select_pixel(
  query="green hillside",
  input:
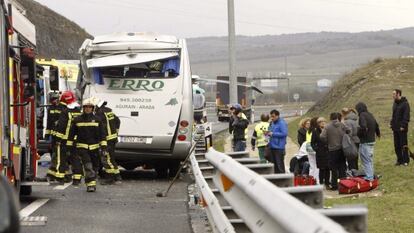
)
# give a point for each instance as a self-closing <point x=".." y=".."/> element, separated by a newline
<point x="373" y="84"/>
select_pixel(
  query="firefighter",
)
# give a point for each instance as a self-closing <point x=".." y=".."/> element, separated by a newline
<point x="53" y="115"/>
<point x="88" y="134"/>
<point x="73" y="159"/>
<point x="62" y="147"/>
<point x="111" y="123"/>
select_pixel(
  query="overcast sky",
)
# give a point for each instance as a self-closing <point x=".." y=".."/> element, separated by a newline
<point x="195" y="18"/>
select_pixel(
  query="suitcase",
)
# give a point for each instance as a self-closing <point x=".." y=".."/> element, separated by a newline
<point x="304" y="180"/>
<point x="356" y="185"/>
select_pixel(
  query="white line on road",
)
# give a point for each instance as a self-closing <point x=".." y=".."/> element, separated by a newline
<point x="62" y="187"/>
<point x="28" y="210"/>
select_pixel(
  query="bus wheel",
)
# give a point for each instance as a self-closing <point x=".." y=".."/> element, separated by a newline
<point x="25" y="190"/>
<point x="173" y="167"/>
<point x="162" y="170"/>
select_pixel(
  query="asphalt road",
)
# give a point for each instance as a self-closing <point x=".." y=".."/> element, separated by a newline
<point x="129" y="207"/>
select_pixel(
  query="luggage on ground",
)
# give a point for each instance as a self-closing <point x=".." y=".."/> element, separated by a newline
<point x="304" y="180"/>
<point x="351" y="185"/>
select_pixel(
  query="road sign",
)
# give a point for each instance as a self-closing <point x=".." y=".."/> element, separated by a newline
<point x="296" y="96"/>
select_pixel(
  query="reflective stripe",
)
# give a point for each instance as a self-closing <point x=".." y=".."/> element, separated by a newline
<point x="108" y="160"/>
<point x="92" y="183"/>
<point x="55" y="111"/>
<point x="77" y="177"/>
<point x="82" y="145"/>
<point x="71" y="116"/>
<point x="69" y="143"/>
<point x="50" y="172"/>
<point x="58" y="162"/>
<point x="86" y="124"/>
<point x="104" y="143"/>
<point x="59" y="135"/>
<point x="48" y="131"/>
<point x="60" y="175"/>
<point x="87" y="147"/>
<point x="111" y="171"/>
<point x="94" y="147"/>
<point x="108" y="127"/>
<point x="111" y="137"/>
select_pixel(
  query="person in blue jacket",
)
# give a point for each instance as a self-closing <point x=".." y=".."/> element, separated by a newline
<point x="278" y="132"/>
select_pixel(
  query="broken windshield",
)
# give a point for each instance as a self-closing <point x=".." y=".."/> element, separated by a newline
<point x="167" y="68"/>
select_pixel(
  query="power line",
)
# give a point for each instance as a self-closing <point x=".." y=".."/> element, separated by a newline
<point x="198" y="16"/>
<point x="367" y="4"/>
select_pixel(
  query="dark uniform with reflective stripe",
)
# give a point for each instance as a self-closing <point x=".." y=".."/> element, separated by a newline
<point x="64" y="147"/>
<point x="53" y="116"/>
<point x="111" y="123"/>
<point x="88" y="134"/>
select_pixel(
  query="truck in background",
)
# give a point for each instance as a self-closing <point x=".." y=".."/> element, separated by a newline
<point x="244" y="95"/>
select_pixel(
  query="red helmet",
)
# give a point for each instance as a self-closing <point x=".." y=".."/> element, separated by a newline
<point x="67" y="97"/>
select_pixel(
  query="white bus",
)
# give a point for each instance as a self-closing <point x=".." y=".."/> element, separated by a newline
<point x="146" y="80"/>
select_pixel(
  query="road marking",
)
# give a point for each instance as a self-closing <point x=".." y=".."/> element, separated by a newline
<point x="62" y="187"/>
<point x="28" y="210"/>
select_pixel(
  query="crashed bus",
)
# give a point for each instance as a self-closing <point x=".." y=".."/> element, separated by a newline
<point x="146" y="80"/>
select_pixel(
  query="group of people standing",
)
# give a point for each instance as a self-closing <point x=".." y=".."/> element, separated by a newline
<point x="269" y="136"/>
<point x="322" y="142"/>
<point x="82" y="141"/>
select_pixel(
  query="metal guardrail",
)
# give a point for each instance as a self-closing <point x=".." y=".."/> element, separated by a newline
<point x="263" y="206"/>
<point x="242" y="195"/>
<point x="214" y="213"/>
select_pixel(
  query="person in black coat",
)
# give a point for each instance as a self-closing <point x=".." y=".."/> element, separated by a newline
<point x="303" y="128"/>
<point x="322" y="153"/>
<point x="399" y="126"/>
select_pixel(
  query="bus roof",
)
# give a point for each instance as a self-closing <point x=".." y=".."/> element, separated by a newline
<point x="135" y="37"/>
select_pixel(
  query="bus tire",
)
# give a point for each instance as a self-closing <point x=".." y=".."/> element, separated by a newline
<point x="162" y="170"/>
<point x="173" y="167"/>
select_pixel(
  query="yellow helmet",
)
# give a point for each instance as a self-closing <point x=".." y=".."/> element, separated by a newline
<point x="88" y="102"/>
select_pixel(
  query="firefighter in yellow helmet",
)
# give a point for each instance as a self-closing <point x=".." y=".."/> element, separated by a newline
<point x="88" y="135"/>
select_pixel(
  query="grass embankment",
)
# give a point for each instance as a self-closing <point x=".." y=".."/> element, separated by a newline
<point x="373" y="84"/>
<point x="219" y="140"/>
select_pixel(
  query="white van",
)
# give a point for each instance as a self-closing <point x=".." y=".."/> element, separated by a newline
<point x="146" y="80"/>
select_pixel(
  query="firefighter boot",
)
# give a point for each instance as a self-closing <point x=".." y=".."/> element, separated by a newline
<point x="91" y="189"/>
<point x="118" y="178"/>
<point x="76" y="182"/>
<point x="68" y="178"/>
<point x="107" y="179"/>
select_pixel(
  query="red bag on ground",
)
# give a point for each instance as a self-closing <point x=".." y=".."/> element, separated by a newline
<point x="356" y="185"/>
<point x="304" y="180"/>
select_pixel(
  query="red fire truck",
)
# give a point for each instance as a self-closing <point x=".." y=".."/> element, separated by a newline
<point x="18" y="145"/>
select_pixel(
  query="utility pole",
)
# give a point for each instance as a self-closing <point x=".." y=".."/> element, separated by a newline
<point x="286" y="76"/>
<point x="232" y="53"/>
